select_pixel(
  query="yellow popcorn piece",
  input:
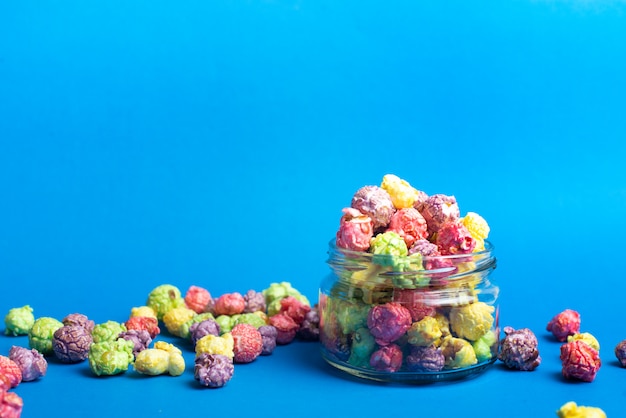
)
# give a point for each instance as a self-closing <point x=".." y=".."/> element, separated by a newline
<point x="587" y="338"/>
<point x="471" y="321"/>
<point x="477" y="227"/>
<point x="571" y="410"/>
<point x="424" y="332"/>
<point x="156" y="361"/>
<point x="212" y="344"/>
<point x="175" y="318"/>
<point x="458" y="353"/>
<point x="144" y="311"/>
<point x="403" y="195"/>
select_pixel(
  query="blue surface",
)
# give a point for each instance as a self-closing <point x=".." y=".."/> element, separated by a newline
<point x="215" y="143"/>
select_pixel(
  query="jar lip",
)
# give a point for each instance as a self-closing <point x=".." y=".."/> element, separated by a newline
<point x="487" y="252"/>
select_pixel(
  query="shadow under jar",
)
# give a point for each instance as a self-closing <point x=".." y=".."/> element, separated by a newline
<point x="409" y="319"/>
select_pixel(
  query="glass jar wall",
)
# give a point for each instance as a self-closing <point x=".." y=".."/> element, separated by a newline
<point x="409" y="318"/>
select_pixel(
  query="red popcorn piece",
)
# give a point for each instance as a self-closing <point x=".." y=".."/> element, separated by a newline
<point x="248" y="343"/>
<point x="579" y="361"/>
<point x="229" y="304"/>
<point x="286" y="328"/>
<point x="355" y="230"/>
<point x="564" y="324"/>
<point x="388" y="322"/>
<point x="413" y="300"/>
<point x="409" y="224"/>
<point x="197" y="299"/>
<point x="454" y="238"/>
<point x="145" y="323"/>
<point x="10" y="370"/>
<point x="294" y="308"/>
<point x="387" y="359"/>
<point x="10" y="404"/>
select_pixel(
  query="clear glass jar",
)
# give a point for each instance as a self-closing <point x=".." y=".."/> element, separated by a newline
<point x="409" y="319"/>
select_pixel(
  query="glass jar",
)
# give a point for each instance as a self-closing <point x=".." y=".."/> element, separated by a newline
<point x="409" y="319"/>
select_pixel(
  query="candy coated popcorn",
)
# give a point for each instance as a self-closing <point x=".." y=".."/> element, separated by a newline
<point x="140" y="338"/>
<point x="277" y="291"/>
<point x="587" y="338"/>
<point x="143" y="311"/>
<point x="41" y="333"/>
<point x="376" y="203"/>
<point x="213" y="370"/>
<point x="71" y="343"/>
<point x="414" y="301"/>
<point x="269" y="334"/>
<point x="564" y="324"/>
<point x="363" y="345"/>
<point x="438" y="209"/>
<point x="200" y="329"/>
<point x="519" y="349"/>
<point x="163" y="358"/>
<point x="255" y="301"/>
<point x="350" y="316"/>
<point x="425" y="359"/>
<point x="477" y="227"/>
<point x="11" y="404"/>
<point x="143" y="323"/>
<point x="431" y="257"/>
<point x="388" y="322"/>
<point x="387" y="358"/>
<point x="19" y="321"/>
<point x="571" y="410"/>
<point x="355" y="230"/>
<point x="175" y="318"/>
<point x="248" y="343"/>
<point x="454" y="238"/>
<point x="212" y="344"/>
<point x="285" y="326"/>
<point x="164" y="298"/>
<point x="225" y="322"/>
<point x="229" y="304"/>
<point x="409" y="224"/>
<point x="294" y="308"/>
<point x="197" y="298"/>
<point x="30" y="361"/>
<point x="250" y="318"/>
<point x="620" y="352"/>
<point x="579" y="361"/>
<point x="424" y="332"/>
<point x="485" y="347"/>
<point x="458" y="353"/>
<point x="471" y="321"/>
<point x="402" y="194"/>
<point x="109" y="358"/>
<point x="11" y="370"/>
<point x="107" y="331"/>
<point x="184" y="330"/>
<point x="81" y="320"/>
<point x="388" y="243"/>
<point x="310" y="328"/>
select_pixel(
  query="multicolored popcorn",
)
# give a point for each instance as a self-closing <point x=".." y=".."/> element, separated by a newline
<point x="108" y="358"/>
<point x="564" y="324"/>
<point x="163" y="358"/>
<point x="164" y="298"/>
<point x="471" y="321"/>
<point x="425" y="359"/>
<point x="579" y="361"/>
<point x="197" y="298"/>
<point x="477" y="227"/>
<point x="213" y="370"/>
<point x="107" y="331"/>
<point x="454" y="238"/>
<point x="140" y="338"/>
<point x="248" y="343"/>
<point x="409" y="224"/>
<point x="424" y="332"/>
<point x="486" y="347"/>
<point x="255" y="301"/>
<point x="81" y="320"/>
<point x="176" y="318"/>
<point x="211" y="344"/>
<point x="519" y="349"/>
<point x="571" y="410"/>
<point x="438" y="209"/>
<point x="387" y="358"/>
<point x="362" y="347"/>
<point x="32" y="364"/>
<point x="286" y="328"/>
<point x="310" y="327"/>
<point x="200" y="329"/>
<point x="388" y="322"/>
<point x="143" y="311"/>
<point x="402" y="194"/>
<point x="229" y="304"/>
<point x="586" y="338"/>
<point x="11" y="371"/>
<point x="11" y="404"/>
<point x="355" y="230"/>
<point x="458" y="353"/>
<point x="19" y="321"/>
<point x="376" y="203"/>
<point x="143" y="323"/>
<point x="71" y="343"/>
<point x="41" y="333"/>
<point x="620" y="352"/>
<point x="269" y="334"/>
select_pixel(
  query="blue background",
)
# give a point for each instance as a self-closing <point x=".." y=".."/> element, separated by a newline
<point x="214" y="143"/>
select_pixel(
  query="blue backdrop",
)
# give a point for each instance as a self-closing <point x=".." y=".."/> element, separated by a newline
<point x="215" y="143"/>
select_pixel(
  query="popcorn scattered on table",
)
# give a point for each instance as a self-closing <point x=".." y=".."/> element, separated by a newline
<point x="519" y="349"/>
<point x="579" y="361"/>
<point x="571" y="410"/>
<point x="19" y="321"/>
<point x="564" y="324"/>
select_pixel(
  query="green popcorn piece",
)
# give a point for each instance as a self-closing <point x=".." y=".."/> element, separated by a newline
<point x="277" y="291"/>
<point x="184" y="328"/>
<point x="163" y="298"/>
<point x="251" y="319"/>
<point x="107" y="331"/>
<point x="351" y="316"/>
<point x="41" y="334"/>
<point x="225" y="323"/>
<point x="363" y="345"/>
<point x="389" y="249"/>
<point x="483" y="346"/>
<point x="109" y="358"/>
<point x="19" y="321"/>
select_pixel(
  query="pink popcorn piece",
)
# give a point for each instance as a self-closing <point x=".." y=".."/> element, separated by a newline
<point x="248" y="343"/>
<point x="579" y="361"/>
<point x="438" y="209"/>
<point x="80" y="320"/>
<point x="294" y="308"/>
<point x="71" y="343"/>
<point x="564" y="324"/>
<point x="11" y="404"/>
<point x="286" y="328"/>
<point x="413" y="300"/>
<point x="355" y="230"/>
<point x="388" y="322"/>
<point x="197" y="298"/>
<point x="255" y="302"/>
<point x="31" y="362"/>
<point x="409" y="224"/>
<point x="144" y="323"/>
<point x="387" y="358"/>
<point x="229" y="304"/>
<point x="376" y="203"/>
<point x="11" y="371"/>
<point x="454" y="238"/>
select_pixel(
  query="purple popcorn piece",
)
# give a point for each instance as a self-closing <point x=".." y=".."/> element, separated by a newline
<point x="425" y="359"/>
<point x="201" y="329"/>
<point x="30" y="361"/>
<point x="269" y="334"/>
<point x="140" y="338"/>
<point x="255" y="301"/>
<point x="80" y="320"/>
<point x="71" y="343"/>
<point x="310" y="327"/>
<point x="213" y="370"/>
<point x="518" y="349"/>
